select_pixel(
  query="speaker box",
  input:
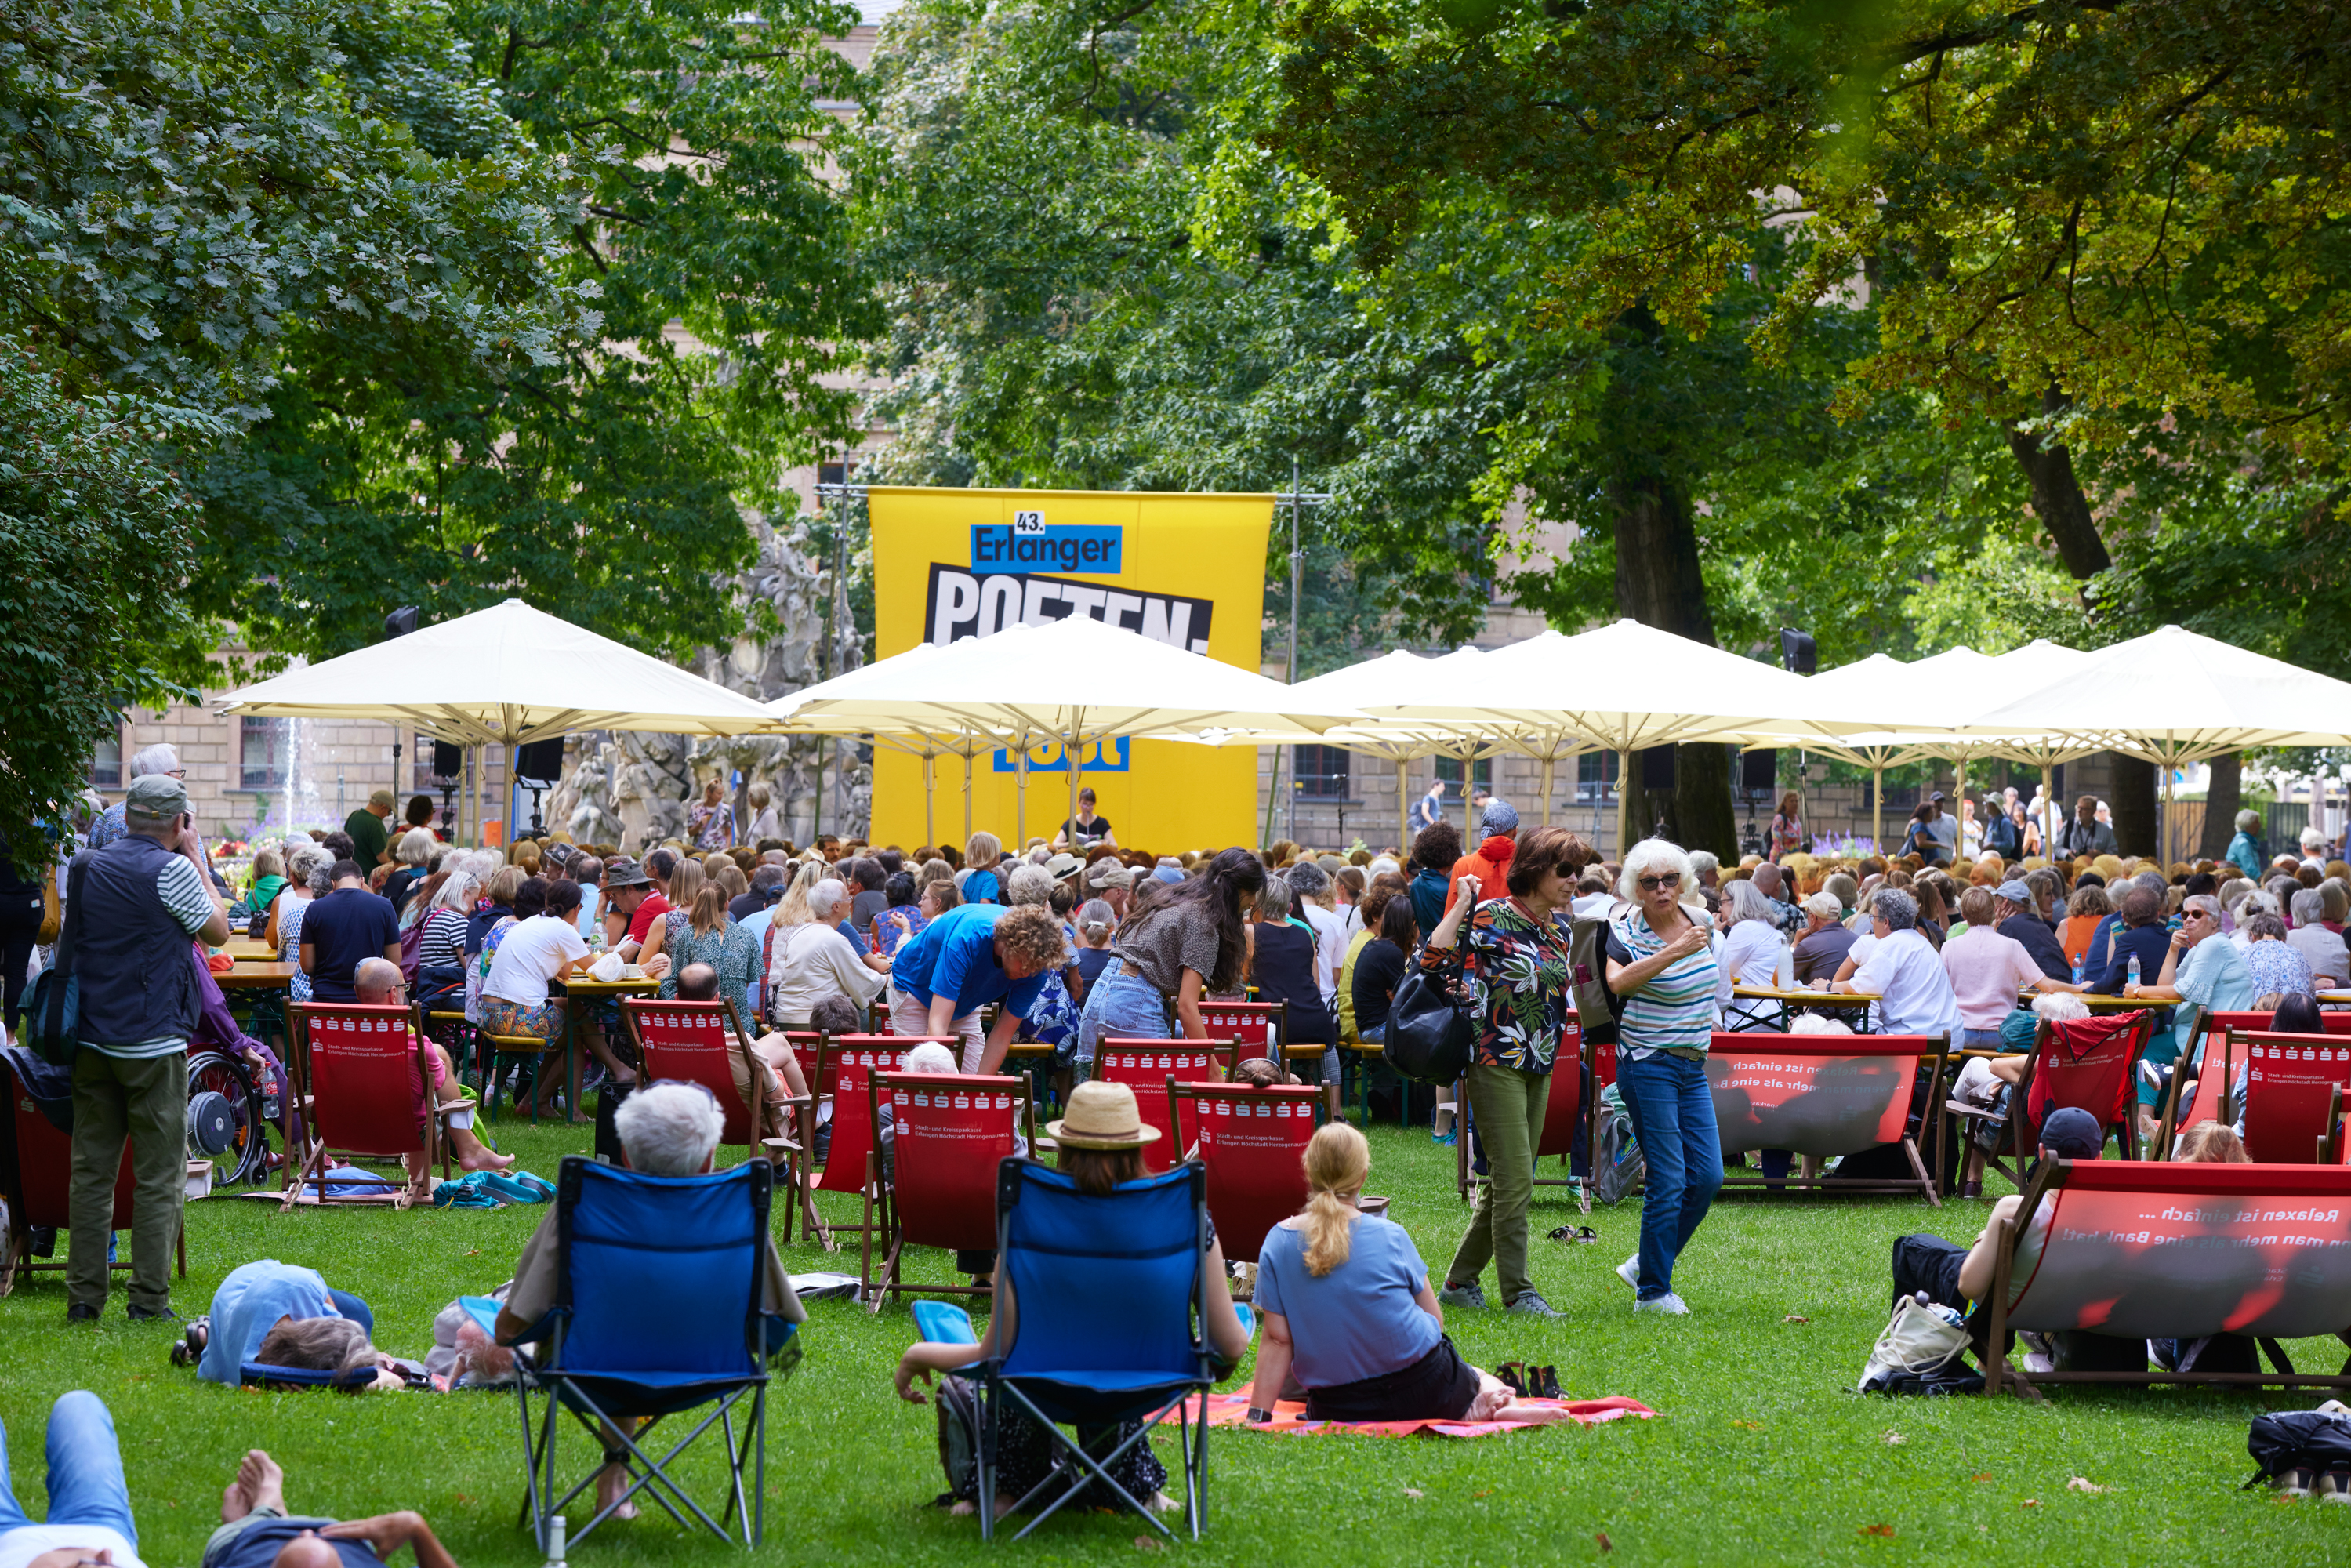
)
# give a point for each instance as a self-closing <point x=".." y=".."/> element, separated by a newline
<point x="448" y="761"/>
<point x="542" y="759"/>
<point x="1759" y="771"/>
<point x="1657" y="768"/>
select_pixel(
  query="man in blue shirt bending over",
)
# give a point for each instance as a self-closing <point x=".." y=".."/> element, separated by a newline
<point x="973" y="955"/>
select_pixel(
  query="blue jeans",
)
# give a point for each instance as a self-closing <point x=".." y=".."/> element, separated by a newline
<point x="86" y="1484"/>
<point x="1673" y="1117"/>
<point x="1120" y="1006"/>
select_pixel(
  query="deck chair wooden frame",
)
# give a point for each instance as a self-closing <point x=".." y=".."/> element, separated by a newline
<point x="2159" y="1178"/>
<point x="310" y="1168"/>
<point x="1921" y="1047"/>
<point x="786" y="1152"/>
<point x="885" y="1204"/>
<point x="45" y="1198"/>
<point x="1212" y="1106"/>
<point x="846" y="1168"/>
<point x="1177" y="1061"/>
<point x="2022" y="1098"/>
<point x="1564" y="1113"/>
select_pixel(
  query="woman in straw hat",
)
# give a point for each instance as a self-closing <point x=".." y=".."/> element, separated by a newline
<point x="1100" y="1144"/>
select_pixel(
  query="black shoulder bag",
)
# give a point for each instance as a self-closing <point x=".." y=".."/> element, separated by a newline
<point x="52" y="1011"/>
<point x="1430" y="1031"/>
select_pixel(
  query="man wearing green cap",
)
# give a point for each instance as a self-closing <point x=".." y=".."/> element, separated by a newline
<point x="132" y="907"/>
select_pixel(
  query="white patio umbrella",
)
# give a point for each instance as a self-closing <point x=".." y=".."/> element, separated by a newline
<point x="2175" y="696"/>
<point x="963" y="741"/>
<point x="1077" y="681"/>
<point x="502" y="676"/>
<point x="1627" y="686"/>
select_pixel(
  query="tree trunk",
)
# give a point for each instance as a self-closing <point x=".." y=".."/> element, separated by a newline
<point x="1658" y="584"/>
<point x="2136" y="805"/>
<point x="2057" y="497"/>
<point x="2223" y="801"/>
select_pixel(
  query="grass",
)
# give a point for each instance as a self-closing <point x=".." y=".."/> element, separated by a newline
<point x="1759" y="1454"/>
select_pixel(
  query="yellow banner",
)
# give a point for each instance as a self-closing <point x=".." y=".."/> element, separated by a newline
<point x="1185" y="570"/>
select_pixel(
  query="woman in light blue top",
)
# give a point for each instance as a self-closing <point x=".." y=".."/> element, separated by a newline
<point x="1662" y="965"/>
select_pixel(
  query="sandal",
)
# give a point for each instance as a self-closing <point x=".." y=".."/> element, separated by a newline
<point x="1513" y="1376"/>
<point x="1574" y="1234"/>
<point x="1543" y="1383"/>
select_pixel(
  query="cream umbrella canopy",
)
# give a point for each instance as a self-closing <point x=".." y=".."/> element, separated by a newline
<point x="962" y="741"/>
<point x="2175" y="696"/>
<point x="502" y="676"/>
<point x="1076" y="682"/>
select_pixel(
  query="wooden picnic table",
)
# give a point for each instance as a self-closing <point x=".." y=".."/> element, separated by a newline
<point x="257" y="975"/>
<point x="581" y="987"/>
<point x="248" y="950"/>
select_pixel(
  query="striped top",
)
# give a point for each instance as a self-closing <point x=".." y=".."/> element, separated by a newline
<point x="1675" y="1011"/>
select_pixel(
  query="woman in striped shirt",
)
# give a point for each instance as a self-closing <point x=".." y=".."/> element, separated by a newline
<point x="1661" y="963"/>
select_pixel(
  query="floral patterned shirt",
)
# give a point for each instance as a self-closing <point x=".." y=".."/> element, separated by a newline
<point x="1514" y="975"/>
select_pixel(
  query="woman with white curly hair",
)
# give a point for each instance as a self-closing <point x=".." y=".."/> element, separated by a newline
<point x="1661" y="964"/>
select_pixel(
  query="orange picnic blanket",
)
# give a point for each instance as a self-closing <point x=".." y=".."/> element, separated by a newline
<point x="1290" y="1418"/>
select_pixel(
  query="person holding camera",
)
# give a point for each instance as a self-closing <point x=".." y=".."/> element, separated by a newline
<point x="133" y="906"/>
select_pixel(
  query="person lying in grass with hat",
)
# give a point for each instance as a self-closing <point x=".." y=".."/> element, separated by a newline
<point x="1100" y="1144"/>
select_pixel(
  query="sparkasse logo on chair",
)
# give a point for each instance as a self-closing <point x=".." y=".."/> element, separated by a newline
<point x="1031" y="544"/>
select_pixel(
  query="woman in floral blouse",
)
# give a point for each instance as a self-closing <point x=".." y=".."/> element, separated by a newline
<point x="1515" y="975"/>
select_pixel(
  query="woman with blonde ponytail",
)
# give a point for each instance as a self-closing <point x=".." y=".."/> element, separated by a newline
<point x="1345" y="1301"/>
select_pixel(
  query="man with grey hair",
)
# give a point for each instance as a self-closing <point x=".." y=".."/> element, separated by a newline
<point x="665" y="1130"/>
<point x="1903" y="971"/>
<point x="132" y="907"/>
<point x="1311" y="886"/>
<point x="1708" y="867"/>
<point x="148" y="761"/>
<point x="2014" y="916"/>
<point x="2198" y="969"/>
<point x="1821" y="951"/>
<point x="2329" y="960"/>
<point x="1772" y="883"/>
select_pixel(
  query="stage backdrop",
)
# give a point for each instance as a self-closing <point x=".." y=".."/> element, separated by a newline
<point x="1185" y="570"/>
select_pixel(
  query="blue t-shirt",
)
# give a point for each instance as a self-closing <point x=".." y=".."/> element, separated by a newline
<point x="247" y="1305"/>
<point x="981" y="887"/>
<point x="956" y="955"/>
<point x="1360" y="1320"/>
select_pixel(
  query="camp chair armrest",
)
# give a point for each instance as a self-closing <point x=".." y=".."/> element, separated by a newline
<point x="781" y="1144"/>
<point x="1961" y="1108"/>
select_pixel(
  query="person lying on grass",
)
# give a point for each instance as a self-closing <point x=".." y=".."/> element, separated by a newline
<point x="1345" y="1298"/>
<point x="665" y="1130"/>
<point x="256" y="1532"/>
<point x="379" y="983"/>
<point x="286" y="1315"/>
<point x="89" y="1523"/>
<point x="1100" y="1144"/>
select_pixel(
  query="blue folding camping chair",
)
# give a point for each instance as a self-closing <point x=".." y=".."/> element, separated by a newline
<point x="1064" y="1255"/>
<point x="657" y="1312"/>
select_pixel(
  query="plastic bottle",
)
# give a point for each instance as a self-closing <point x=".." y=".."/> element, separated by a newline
<point x="2132" y="970"/>
<point x="557" y="1529"/>
<point x="2080" y="969"/>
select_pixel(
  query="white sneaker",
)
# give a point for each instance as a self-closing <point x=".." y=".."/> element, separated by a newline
<point x="1670" y="1304"/>
<point x="1629" y="1270"/>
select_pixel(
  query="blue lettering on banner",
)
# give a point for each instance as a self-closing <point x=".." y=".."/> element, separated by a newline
<point x="1039" y="547"/>
<point x="1107" y="756"/>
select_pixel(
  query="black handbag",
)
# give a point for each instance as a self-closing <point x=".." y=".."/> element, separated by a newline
<point x="1430" y="1033"/>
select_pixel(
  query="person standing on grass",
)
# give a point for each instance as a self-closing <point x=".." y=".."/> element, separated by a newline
<point x="1661" y="962"/>
<point x="132" y="907"/>
<point x="349" y="924"/>
<point x="371" y="840"/>
<point x="1513" y="972"/>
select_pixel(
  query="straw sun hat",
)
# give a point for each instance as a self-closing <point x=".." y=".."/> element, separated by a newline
<point x="1102" y="1116"/>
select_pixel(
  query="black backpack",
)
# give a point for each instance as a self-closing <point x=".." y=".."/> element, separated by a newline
<point x="2297" y="1439"/>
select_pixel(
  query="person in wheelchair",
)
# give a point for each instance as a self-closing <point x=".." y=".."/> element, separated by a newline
<point x="1100" y="1144"/>
<point x="665" y="1130"/>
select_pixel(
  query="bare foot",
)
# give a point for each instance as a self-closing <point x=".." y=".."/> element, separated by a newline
<point x="966" y="1509"/>
<point x="259" y="1483"/>
<point x="611" y="1481"/>
<point x="482" y="1157"/>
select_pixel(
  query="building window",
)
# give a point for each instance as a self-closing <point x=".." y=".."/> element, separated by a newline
<point x="106" y="763"/>
<point x="1321" y="772"/>
<point x="264" y="748"/>
<point x="1596" y="777"/>
<point x="1449" y="770"/>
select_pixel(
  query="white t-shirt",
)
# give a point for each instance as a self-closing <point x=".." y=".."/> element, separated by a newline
<point x="26" y="1541"/>
<point x="529" y="955"/>
<point x="813" y="962"/>
<point x="1330" y="946"/>
<point x="1906" y="974"/>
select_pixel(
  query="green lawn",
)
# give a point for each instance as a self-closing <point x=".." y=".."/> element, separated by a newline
<point x="1759" y="1454"/>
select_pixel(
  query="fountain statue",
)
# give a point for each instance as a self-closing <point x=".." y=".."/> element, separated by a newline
<point x="632" y="789"/>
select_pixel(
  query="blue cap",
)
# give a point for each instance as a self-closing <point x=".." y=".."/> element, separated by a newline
<point x="2073" y="1133"/>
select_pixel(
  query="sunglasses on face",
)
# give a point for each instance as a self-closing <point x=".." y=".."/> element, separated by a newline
<point x="1655" y="884"/>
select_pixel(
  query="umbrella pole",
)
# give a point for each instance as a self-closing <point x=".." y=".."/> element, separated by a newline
<point x="1959" y="803"/>
<point x="1877" y="809"/>
<point x="1546" y="788"/>
<point x="1069" y="764"/>
<point x="1469" y="798"/>
<point x="2048" y="796"/>
<point x="1020" y="806"/>
<point x="966" y="788"/>
<point x="930" y="788"/>
<point x="1624" y="836"/>
<point x="1403" y="812"/>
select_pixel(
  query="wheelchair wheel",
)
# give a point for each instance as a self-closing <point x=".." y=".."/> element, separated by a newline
<point x="226" y="1123"/>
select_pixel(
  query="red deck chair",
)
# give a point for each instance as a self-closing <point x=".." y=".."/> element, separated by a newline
<point x="2294" y="1089"/>
<point x="354" y="1068"/>
<point x="948" y="1134"/>
<point x="1257" y="1028"/>
<point x="1564" y="1115"/>
<point x="1824" y="1096"/>
<point x="2089" y="1064"/>
<point x="1252" y="1144"/>
<point x="2224" y="1052"/>
<point x="842" y="1062"/>
<point x="37" y="1179"/>
<point x="2158" y="1249"/>
<point x="1144" y="1066"/>
<point x="699" y="1042"/>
